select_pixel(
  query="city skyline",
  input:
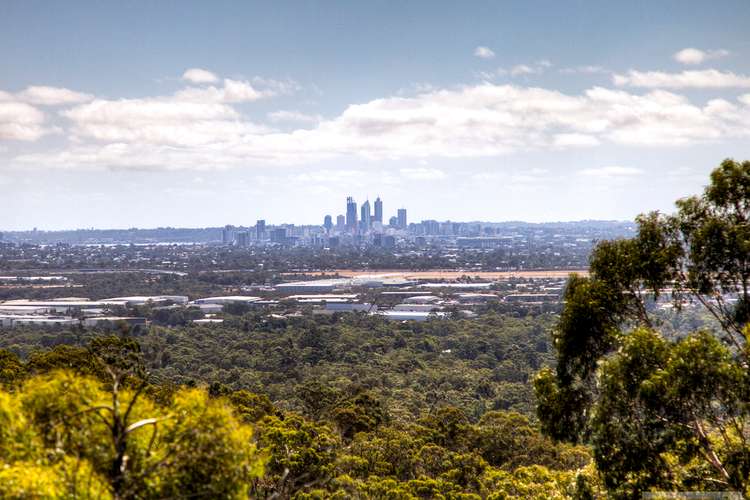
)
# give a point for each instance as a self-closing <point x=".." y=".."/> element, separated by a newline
<point x="109" y="120"/>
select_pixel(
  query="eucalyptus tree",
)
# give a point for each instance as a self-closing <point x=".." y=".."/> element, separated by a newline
<point x="662" y="411"/>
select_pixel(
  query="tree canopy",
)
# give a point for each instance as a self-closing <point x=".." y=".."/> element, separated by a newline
<point x="661" y="411"/>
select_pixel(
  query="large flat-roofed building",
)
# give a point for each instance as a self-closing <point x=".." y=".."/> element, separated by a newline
<point x="12" y="321"/>
<point x="138" y="300"/>
<point x="312" y="286"/>
<point x="62" y="306"/>
<point x="229" y="299"/>
<point x="417" y="307"/>
<point x="111" y="321"/>
<point x="410" y="315"/>
<point x="458" y="286"/>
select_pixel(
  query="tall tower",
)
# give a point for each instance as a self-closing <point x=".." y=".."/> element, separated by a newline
<point x="328" y="223"/>
<point x="227" y="235"/>
<point x="351" y="213"/>
<point x="401" y="215"/>
<point x="378" y="210"/>
<point x="366" y="219"/>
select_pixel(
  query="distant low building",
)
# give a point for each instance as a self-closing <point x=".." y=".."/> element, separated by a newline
<point x="410" y="315"/>
<point x="229" y="299"/>
<point x="111" y="321"/>
<point x="350" y="307"/>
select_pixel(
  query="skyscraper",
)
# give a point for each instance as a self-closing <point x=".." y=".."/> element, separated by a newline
<point x="340" y="222"/>
<point x="401" y="215"/>
<point x="278" y="235"/>
<point x="260" y="229"/>
<point x="378" y="210"/>
<point x="227" y="235"/>
<point x="243" y="239"/>
<point x="366" y="218"/>
<point x="351" y="213"/>
<point x="328" y="223"/>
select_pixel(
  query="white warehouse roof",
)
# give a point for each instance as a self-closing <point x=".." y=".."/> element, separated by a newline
<point x="229" y="299"/>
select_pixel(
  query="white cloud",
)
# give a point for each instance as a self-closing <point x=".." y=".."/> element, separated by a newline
<point x="232" y="91"/>
<point x="612" y="171"/>
<point x="203" y="130"/>
<point x="586" y="70"/>
<point x="697" y="56"/>
<point x="198" y="75"/>
<point x="20" y="121"/>
<point x="536" y="68"/>
<point x="278" y="87"/>
<point x="484" y="52"/>
<point x="235" y="91"/>
<point x="293" y="116"/>
<point x="522" y="69"/>
<point x="422" y="173"/>
<point x="191" y="117"/>
<point x="52" y="96"/>
<point x="707" y="78"/>
<point x="159" y="121"/>
<point x="565" y="140"/>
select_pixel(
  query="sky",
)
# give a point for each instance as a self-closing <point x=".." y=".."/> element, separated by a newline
<point x="179" y="113"/>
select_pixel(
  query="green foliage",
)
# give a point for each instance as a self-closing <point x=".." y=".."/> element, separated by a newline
<point x="207" y="451"/>
<point x="11" y="368"/>
<point x="661" y="411"/>
<point x="300" y="454"/>
<point x="362" y="413"/>
<point x="168" y="441"/>
<point x="587" y="327"/>
<point x="62" y="434"/>
<point x="315" y="364"/>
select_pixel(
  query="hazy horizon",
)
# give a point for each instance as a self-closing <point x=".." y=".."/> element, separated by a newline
<point x="197" y="114"/>
<point x="274" y="223"/>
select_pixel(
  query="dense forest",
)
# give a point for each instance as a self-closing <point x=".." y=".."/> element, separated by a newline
<point x="89" y="422"/>
<point x="301" y="363"/>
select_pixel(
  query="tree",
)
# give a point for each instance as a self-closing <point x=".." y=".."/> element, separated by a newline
<point x="661" y="411"/>
<point x="301" y="454"/>
<point x="66" y="434"/>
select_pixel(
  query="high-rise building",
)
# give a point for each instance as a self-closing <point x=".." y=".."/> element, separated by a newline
<point x="366" y="218"/>
<point x="401" y="215"/>
<point x="351" y="213"/>
<point x="243" y="239"/>
<point x="393" y="221"/>
<point x="378" y="210"/>
<point x="328" y="223"/>
<point x="340" y="222"/>
<point x="431" y="227"/>
<point x="227" y="235"/>
<point x="260" y="229"/>
<point x="278" y="235"/>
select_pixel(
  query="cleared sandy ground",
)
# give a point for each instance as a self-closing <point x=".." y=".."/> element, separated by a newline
<point x="437" y="274"/>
